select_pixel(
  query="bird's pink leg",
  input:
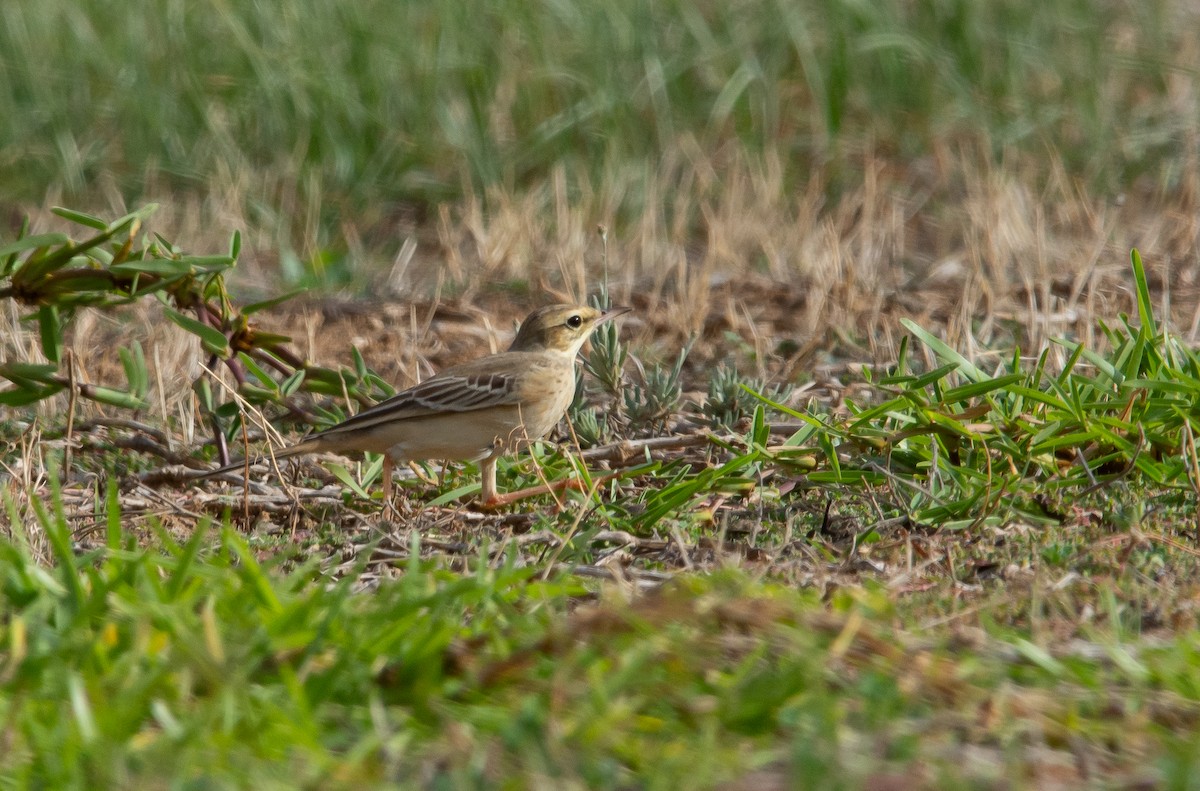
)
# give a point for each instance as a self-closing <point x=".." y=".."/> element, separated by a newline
<point x="498" y="500"/>
<point x="487" y="483"/>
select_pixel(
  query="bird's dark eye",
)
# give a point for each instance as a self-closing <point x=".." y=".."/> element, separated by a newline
<point x="575" y="321"/>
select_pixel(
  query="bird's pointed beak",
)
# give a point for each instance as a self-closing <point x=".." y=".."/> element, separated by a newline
<point x="611" y="314"/>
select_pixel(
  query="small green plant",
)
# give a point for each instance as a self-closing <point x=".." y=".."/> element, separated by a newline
<point x="650" y="402"/>
<point x="731" y="396"/>
<point x="1058" y="553"/>
<point x="605" y="363"/>
<point x="54" y="275"/>
<point x="606" y="359"/>
<point x="590" y="425"/>
<point x="958" y="446"/>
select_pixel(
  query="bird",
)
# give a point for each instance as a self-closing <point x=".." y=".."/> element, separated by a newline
<point x="478" y="411"/>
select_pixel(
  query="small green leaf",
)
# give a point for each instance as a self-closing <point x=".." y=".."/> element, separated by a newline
<point x="210" y="337"/>
<point x="255" y="307"/>
<point x="1039" y="656"/>
<point x="252" y="393"/>
<point x="319" y="387"/>
<point x="265" y="339"/>
<point x="232" y="409"/>
<point x="257" y="371"/>
<point x="325" y="375"/>
<point x="944" y="351"/>
<point x="188" y="265"/>
<point x="374" y="468"/>
<point x="80" y="286"/>
<point x="250" y="569"/>
<point x="154" y="266"/>
<point x="825" y="443"/>
<point x="32" y="242"/>
<point x="949" y="424"/>
<point x="37" y="267"/>
<point x="760" y="432"/>
<point x="51" y="332"/>
<point x="343" y="475"/>
<point x="41" y="373"/>
<point x="181" y="575"/>
<point x="1145" y="307"/>
<point x="1103" y="365"/>
<point x="208" y="264"/>
<point x="292" y="383"/>
<point x="360" y="365"/>
<point x="976" y="389"/>
<point x="455" y="494"/>
<point x="134" y="362"/>
<point x="112" y="516"/>
<point x="137" y="214"/>
<point x="926" y="380"/>
<point x="24" y="395"/>
<point x="117" y="398"/>
<point x="902" y="357"/>
<point x="381" y="385"/>
<point x="165" y="244"/>
<point x="203" y="390"/>
<point x="79" y="217"/>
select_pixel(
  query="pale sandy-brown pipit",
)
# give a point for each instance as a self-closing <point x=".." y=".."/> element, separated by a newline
<point x="477" y="411"/>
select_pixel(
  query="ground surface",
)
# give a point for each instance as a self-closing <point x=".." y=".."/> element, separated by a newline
<point x="960" y="549"/>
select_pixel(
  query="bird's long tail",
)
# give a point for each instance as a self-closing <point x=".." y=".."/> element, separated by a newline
<point x="307" y="446"/>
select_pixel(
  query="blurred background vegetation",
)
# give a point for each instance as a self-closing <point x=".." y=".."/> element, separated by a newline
<point x="983" y="538"/>
<point x="306" y="119"/>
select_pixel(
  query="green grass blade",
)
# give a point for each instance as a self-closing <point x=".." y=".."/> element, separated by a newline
<point x="942" y="350"/>
<point x="1142" y="289"/>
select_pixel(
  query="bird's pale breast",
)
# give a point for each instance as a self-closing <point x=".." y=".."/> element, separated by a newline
<point x="545" y="395"/>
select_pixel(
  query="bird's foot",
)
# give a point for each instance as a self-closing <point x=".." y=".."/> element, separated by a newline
<point x="500" y="500"/>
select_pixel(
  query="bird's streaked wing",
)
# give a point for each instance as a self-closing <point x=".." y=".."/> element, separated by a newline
<point x="447" y="392"/>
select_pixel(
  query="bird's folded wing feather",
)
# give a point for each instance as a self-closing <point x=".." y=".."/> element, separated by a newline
<point x="443" y="393"/>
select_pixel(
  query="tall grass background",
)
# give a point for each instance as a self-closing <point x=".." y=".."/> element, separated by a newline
<point x="317" y="120"/>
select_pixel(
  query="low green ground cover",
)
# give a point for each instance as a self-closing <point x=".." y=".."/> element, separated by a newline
<point x="202" y="665"/>
<point x="966" y="576"/>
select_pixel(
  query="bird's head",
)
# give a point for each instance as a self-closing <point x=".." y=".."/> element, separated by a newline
<point x="561" y="328"/>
